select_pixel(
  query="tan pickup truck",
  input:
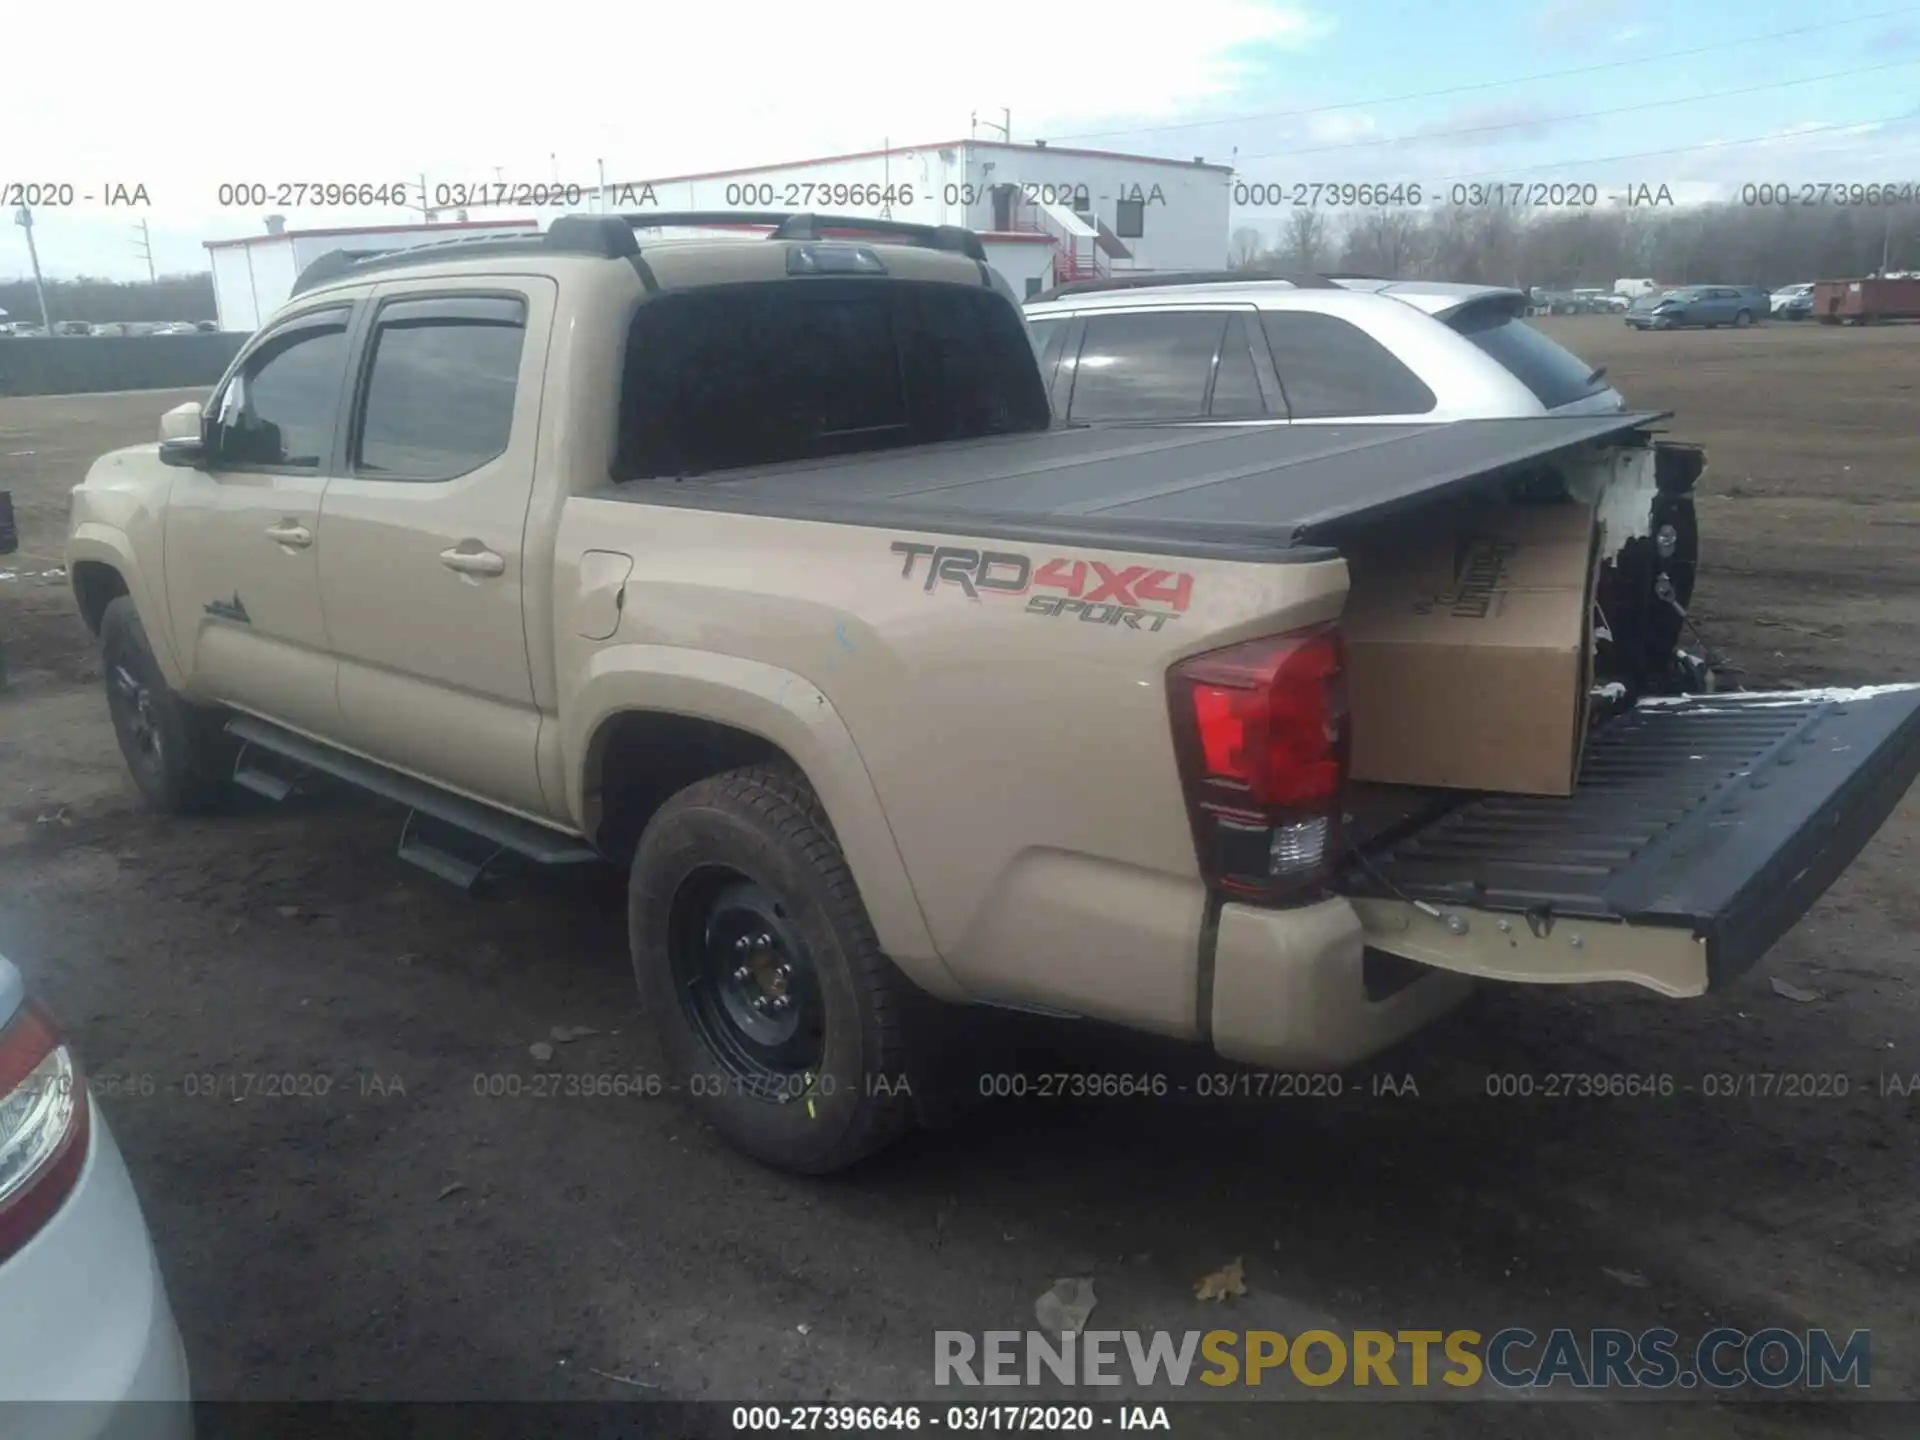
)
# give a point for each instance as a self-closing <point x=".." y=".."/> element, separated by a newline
<point x="758" y="565"/>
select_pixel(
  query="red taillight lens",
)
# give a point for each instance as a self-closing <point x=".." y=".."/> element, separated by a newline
<point x="43" y="1125"/>
<point x="1260" y="732"/>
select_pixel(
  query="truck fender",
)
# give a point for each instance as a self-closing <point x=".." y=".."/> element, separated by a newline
<point x="786" y="710"/>
<point x="94" y="542"/>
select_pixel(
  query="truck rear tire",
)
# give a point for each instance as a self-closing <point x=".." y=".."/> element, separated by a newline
<point x="782" y="1021"/>
<point x="177" y="752"/>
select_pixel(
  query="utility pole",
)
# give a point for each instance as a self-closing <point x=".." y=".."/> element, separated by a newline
<point x="1886" y="241"/>
<point x="146" y="251"/>
<point x="1005" y="127"/>
<point x="603" y="185"/>
<point x="23" y="217"/>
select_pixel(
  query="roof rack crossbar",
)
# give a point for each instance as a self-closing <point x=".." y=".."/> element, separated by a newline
<point x="611" y="237"/>
<point x="1155" y="279"/>
<point x="607" y="237"/>
<point x="804" y="225"/>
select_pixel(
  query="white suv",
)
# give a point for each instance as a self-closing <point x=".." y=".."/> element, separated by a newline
<point x="1216" y="349"/>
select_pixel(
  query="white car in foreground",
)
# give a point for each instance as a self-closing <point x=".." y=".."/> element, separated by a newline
<point x="88" y="1347"/>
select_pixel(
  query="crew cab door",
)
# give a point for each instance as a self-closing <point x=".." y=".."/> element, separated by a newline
<point x="1700" y="830"/>
<point x="242" y="545"/>
<point x="421" y="570"/>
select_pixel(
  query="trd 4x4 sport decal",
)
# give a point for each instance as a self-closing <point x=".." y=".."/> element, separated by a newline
<point x="1136" y="596"/>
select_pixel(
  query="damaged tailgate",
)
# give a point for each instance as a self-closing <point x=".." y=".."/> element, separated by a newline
<point x="1700" y="830"/>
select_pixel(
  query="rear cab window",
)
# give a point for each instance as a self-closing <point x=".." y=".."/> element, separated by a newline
<point x="734" y="375"/>
<point x="1554" y="374"/>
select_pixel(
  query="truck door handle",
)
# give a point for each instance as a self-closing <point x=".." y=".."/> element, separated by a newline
<point x="473" y="562"/>
<point x="287" y="533"/>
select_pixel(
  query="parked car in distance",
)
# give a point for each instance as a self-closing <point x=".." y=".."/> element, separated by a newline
<point x="1592" y="301"/>
<point x="1791" y="302"/>
<point x="88" y="1344"/>
<point x="1701" y="306"/>
<point x="1634" y="287"/>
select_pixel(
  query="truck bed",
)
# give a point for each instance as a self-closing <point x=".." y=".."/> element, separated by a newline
<point x="1259" y="492"/>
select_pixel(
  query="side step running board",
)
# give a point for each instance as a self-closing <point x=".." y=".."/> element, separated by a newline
<point x="460" y="840"/>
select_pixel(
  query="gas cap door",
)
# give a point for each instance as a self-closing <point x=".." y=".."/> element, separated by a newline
<point x="601" y="593"/>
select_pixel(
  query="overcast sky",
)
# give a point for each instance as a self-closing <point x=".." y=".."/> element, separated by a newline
<point x="357" y="91"/>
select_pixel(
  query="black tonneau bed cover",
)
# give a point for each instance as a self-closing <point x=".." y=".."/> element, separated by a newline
<point x="1206" y="489"/>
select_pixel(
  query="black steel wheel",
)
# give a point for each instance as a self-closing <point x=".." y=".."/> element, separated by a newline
<point x="747" y="982"/>
<point x="782" y="1022"/>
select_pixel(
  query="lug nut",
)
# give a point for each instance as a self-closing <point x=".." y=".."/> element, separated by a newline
<point x="760" y="1002"/>
<point x="780" y="1002"/>
<point x="743" y="974"/>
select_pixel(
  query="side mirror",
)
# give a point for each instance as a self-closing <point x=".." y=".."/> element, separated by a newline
<point x="182" y="422"/>
<point x="188" y="452"/>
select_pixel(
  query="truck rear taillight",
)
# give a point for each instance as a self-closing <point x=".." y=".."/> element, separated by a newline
<point x="1260" y="734"/>
<point x="43" y="1125"/>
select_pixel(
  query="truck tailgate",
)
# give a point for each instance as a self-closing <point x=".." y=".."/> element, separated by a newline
<point x="1700" y="830"/>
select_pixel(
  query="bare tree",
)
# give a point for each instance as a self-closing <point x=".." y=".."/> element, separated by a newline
<point x="1247" y="245"/>
<point x="1390" y="242"/>
<point x="1303" y="240"/>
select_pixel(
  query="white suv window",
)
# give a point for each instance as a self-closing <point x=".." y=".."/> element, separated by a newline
<point x="1331" y="369"/>
<point x="1146" y="365"/>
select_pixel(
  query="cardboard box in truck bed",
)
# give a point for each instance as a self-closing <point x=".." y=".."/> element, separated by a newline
<point x="1470" y="646"/>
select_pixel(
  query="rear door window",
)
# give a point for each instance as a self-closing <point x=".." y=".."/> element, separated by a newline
<point x="1331" y="369"/>
<point x="1554" y="374"/>
<point x="1236" y="385"/>
<point x="1146" y="365"/>
<point x="440" y="391"/>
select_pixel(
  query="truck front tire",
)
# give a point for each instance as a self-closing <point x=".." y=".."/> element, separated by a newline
<point x="177" y="752"/>
<point x="782" y="1021"/>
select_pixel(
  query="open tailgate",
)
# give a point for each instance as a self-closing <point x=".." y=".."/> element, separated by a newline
<point x="1700" y="830"/>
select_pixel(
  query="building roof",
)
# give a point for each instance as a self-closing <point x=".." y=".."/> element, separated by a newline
<point x="397" y="226"/>
<point x="1038" y="149"/>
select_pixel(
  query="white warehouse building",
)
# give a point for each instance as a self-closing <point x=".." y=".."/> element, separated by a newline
<point x="253" y="275"/>
<point x="1046" y="214"/>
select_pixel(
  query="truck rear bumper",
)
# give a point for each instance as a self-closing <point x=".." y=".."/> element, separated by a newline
<point x="1290" y="990"/>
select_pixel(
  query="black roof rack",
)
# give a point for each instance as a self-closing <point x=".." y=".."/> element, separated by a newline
<point x="803" y="225"/>
<point x="611" y="237"/>
<point x="1153" y="280"/>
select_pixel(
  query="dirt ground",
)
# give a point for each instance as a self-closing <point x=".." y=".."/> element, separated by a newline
<point x="405" y="1235"/>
